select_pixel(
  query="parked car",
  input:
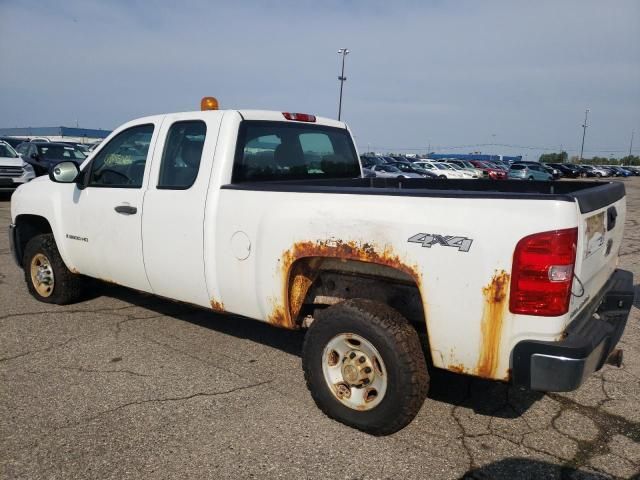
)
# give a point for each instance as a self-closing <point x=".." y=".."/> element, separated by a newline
<point x="42" y="155"/>
<point x="468" y="166"/>
<point x="619" y="171"/>
<point x="465" y="173"/>
<point x="595" y="171"/>
<point x="13" y="141"/>
<point x="634" y="170"/>
<point x="568" y="170"/>
<point x="14" y="171"/>
<point x="442" y="170"/>
<point x="391" y="171"/>
<point x="83" y="147"/>
<point x="413" y="168"/>
<point x="369" y="161"/>
<point x="522" y="171"/>
<point x="489" y="171"/>
<point x="555" y="173"/>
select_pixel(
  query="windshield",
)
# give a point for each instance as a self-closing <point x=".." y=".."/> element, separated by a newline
<point x="293" y="150"/>
<point x="60" y="152"/>
<point x="7" y="151"/>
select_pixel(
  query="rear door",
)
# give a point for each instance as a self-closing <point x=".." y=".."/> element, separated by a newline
<point x="174" y="206"/>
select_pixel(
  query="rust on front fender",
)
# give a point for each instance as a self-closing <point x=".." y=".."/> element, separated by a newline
<point x="495" y="307"/>
<point x="297" y="277"/>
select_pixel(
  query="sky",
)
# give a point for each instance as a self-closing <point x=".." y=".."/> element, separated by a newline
<point x="503" y="77"/>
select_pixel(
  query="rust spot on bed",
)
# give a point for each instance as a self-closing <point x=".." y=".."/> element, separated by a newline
<point x="495" y="303"/>
<point x="299" y="276"/>
<point x="217" y="306"/>
<point x="456" y="368"/>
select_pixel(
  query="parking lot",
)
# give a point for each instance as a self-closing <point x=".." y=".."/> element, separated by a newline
<point x="127" y="385"/>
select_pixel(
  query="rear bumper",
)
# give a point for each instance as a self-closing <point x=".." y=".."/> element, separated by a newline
<point x="563" y="366"/>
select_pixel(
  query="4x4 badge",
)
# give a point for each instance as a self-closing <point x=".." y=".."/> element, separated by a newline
<point x="463" y="244"/>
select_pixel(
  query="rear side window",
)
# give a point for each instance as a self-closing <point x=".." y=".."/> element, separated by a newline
<point x="182" y="155"/>
<point x="288" y="151"/>
<point x="518" y="167"/>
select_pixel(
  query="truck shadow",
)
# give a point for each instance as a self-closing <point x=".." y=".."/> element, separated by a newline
<point x="484" y="397"/>
<point x="524" y="468"/>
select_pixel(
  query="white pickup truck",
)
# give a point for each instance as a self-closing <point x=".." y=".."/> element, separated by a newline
<point x="264" y="215"/>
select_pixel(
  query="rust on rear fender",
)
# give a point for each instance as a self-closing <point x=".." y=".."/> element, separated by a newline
<point x="297" y="277"/>
<point x="495" y="306"/>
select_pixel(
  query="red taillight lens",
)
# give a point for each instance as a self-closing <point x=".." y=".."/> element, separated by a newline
<point x="299" y="117"/>
<point x="542" y="273"/>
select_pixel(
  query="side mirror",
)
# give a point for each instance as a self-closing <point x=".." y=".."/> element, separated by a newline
<point x="35" y="156"/>
<point x="64" y="172"/>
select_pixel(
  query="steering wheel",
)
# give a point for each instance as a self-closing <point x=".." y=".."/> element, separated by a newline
<point x="116" y="172"/>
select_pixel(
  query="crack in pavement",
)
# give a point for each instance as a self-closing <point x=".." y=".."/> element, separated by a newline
<point x="48" y="312"/>
<point x="88" y="370"/>
<point x="608" y="425"/>
<point x="30" y="352"/>
<point x="88" y="420"/>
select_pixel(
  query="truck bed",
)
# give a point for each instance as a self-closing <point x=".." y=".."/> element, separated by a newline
<point x="590" y="195"/>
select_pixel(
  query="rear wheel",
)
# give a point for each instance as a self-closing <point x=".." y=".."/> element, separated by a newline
<point x="48" y="278"/>
<point x="364" y="366"/>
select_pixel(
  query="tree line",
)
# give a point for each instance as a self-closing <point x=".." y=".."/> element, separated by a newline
<point x="563" y="157"/>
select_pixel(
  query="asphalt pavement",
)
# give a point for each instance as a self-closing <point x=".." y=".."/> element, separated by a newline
<point x="126" y="385"/>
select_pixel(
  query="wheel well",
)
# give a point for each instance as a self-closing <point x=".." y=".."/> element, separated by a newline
<point x="316" y="283"/>
<point x="28" y="226"/>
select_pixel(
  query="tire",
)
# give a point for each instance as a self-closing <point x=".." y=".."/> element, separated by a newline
<point x="530" y="178"/>
<point x="443" y="177"/>
<point x="60" y="286"/>
<point x="401" y="359"/>
<point x="599" y="175"/>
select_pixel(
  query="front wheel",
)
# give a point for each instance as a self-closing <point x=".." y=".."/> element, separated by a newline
<point x="48" y="278"/>
<point x="364" y="366"/>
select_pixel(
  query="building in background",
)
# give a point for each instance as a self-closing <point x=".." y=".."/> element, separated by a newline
<point x="57" y="134"/>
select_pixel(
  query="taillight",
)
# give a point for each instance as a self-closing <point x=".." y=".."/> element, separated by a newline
<point x="299" y="117"/>
<point x="542" y="273"/>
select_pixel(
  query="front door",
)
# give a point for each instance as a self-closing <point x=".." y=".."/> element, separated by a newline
<point x="103" y="236"/>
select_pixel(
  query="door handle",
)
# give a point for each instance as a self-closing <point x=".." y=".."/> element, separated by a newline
<point x="126" y="209"/>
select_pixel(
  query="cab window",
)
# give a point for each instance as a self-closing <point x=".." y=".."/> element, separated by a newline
<point x="121" y="162"/>
<point x="182" y="154"/>
<point x="288" y="151"/>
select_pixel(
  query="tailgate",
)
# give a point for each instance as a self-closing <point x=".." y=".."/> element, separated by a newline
<point x="600" y="232"/>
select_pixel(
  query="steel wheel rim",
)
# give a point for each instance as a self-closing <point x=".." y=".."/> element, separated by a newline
<point x="354" y="371"/>
<point x="42" y="275"/>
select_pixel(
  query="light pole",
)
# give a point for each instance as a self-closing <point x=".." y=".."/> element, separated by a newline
<point x="630" y="147"/>
<point x="584" y="131"/>
<point x="344" y="52"/>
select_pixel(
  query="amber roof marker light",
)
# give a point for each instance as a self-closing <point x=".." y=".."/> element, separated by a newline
<point x="209" y="103"/>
